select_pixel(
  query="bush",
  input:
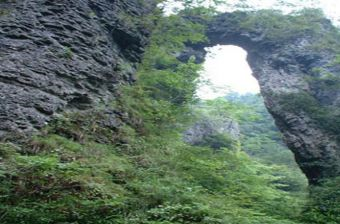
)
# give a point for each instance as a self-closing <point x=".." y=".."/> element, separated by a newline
<point x="324" y="204"/>
<point x="218" y="141"/>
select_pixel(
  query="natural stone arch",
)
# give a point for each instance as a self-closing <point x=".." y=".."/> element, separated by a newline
<point x="38" y="79"/>
<point x="284" y="68"/>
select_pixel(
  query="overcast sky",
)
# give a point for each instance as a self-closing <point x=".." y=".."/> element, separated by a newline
<point x="227" y="69"/>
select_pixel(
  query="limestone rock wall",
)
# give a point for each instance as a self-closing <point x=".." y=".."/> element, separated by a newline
<point x="65" y="54"/>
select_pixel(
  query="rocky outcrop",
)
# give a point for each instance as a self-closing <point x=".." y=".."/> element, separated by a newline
<point x="290" y="66"/>
<point x="209" y="127"/>
<point x="66" y="54"/>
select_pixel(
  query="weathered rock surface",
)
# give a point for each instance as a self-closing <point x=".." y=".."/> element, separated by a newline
<point x="283" y="68"/>
<point x="207" y="127"/>
<point x="67" y="54"/>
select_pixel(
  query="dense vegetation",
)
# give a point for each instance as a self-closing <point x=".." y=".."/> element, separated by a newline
<point x="261" y="137"/>
<point x="278" y="28"/>
<point x="148" y="180"/>
<point x="129" y="165"/>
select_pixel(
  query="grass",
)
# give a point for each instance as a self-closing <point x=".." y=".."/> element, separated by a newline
<point x="155" y="179"/>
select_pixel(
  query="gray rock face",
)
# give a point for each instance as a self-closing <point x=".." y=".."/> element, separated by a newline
<point x="285" y="68"/>
<point x="211" y="127"/>
<point x="66" y="54"/>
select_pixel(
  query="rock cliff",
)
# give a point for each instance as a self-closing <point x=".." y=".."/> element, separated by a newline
<point x="67" y="54"/>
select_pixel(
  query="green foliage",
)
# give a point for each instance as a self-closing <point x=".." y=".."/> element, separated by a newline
<point x="323" y="80"/>
<point x="3" y="12"/>
<point x="259" y="136"/>
<point x="70" y="182"/>
<point x="65" y="176"/>
<point x="176" y="86"/>
<point x="218" y="141"/>
<point x="336" y="60"/>
<point x="222" y="108"/>
<point x="324" y="204"/>
<point x="328" y="41"/>
<point x="263" y="141"/>
<point x="165" y="86"/>
<point x="278" y="28"/>
<point x="146" y="115"/>
<point x="161" y="180"/>
<point x="164" y="42"/>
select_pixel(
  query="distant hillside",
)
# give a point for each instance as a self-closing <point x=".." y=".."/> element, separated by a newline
<point x="260" y="136"/>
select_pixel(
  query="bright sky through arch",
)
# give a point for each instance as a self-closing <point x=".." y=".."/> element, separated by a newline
<point x="228" y="71"/>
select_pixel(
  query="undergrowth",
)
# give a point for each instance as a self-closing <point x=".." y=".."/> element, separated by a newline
<point x="154" y="179"/>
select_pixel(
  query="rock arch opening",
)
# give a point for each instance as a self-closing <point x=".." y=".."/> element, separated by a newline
<point x="226" y="70"/>
<point x="230" y="77"/>
<point x="285" y="63"/>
